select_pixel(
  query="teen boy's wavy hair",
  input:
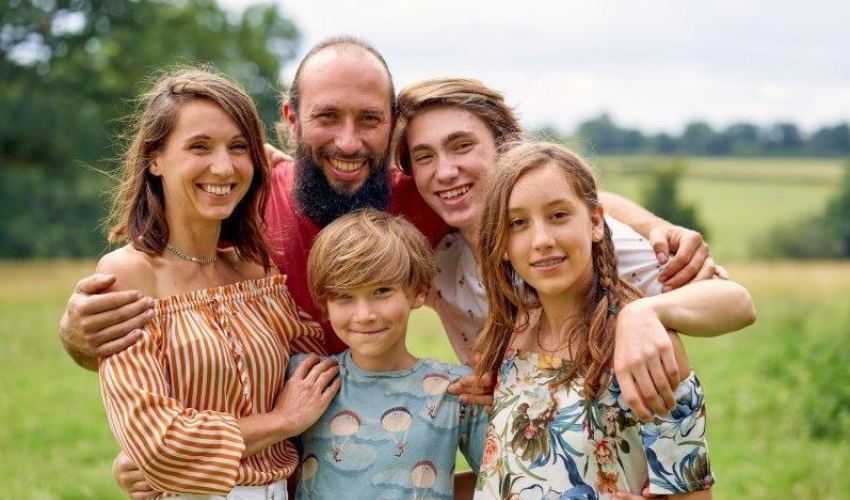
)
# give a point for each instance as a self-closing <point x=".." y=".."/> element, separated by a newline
<point x="367" y="248"/>
<point x="510" y="299"/>
<point x="138" y="205"/>
<point x="462" y="93"/>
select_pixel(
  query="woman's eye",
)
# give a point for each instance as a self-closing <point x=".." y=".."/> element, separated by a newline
<point x="422" y="158"/>
<point x="239" y="147"/>
<point x="463" y="147"/>
<point x="198" y="147"/>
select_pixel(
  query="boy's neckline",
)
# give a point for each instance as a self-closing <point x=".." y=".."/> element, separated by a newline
<point x="348" y="361"/>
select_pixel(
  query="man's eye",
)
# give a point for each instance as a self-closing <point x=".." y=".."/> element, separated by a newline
<point x="463" y="147"/>
<point x="371" y="120"/>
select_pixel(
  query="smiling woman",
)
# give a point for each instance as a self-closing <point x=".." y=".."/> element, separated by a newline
<point x="198" y="403"/>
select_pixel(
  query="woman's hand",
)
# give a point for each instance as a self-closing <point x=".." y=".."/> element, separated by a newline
<point x="130" y="478"/>
<point x="307" y="394"/>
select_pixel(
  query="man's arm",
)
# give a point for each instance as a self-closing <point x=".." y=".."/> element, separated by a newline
<point x="683" y="250"/>
<point x="97" y="323"/>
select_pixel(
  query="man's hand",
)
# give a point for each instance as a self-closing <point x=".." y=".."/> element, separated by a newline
<point x="474" y="390"/>
<point x="97" y="323"/>
<point x="686" y="254"/>
<point x="275" y="156"/>
<point x="307" y="393"/>
<point x="645" y="361"/>
<point x="130" y="478"/>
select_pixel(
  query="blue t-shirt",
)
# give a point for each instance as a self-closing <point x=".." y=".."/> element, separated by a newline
<point x="390" y="434"/>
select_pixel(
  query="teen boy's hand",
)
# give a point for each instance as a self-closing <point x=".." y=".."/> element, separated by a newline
<point x="474" y="390"/>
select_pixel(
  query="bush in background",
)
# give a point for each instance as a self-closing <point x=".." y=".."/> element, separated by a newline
<point x="660" y="195"/>
<point x="821" y="236"/>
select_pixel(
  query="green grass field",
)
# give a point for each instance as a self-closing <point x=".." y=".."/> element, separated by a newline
<point x="766" y="386"/>
<point x="738" y="199"/>
<point x="56" y="444"/>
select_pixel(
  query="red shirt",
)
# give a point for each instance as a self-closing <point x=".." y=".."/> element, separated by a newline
<point x="291" y="233"/>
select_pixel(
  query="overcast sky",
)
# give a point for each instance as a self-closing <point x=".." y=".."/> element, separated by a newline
<point x="654" y="65"/>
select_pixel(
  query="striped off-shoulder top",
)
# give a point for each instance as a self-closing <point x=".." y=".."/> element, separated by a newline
<point x="207" y="358"/>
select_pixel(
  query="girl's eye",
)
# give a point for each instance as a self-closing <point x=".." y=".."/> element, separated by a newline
<point x="516" y="224"/>
<point x="239" y="147"/>
<point x="560" y="215"/>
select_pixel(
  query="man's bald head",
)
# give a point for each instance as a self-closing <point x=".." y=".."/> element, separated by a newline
<point x="339" y="44"/>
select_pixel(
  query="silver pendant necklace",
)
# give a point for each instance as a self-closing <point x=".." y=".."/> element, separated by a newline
<point x="183" y="255"/>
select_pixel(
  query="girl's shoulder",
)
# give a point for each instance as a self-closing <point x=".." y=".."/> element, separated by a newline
<point x="133" y="269"/>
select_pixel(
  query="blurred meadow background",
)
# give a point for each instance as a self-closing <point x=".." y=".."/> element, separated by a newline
<point x="735" y="145"/>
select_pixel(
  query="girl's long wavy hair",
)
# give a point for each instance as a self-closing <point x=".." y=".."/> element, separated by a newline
<point x="138" y="204"/>
<point x="591" y="337"/>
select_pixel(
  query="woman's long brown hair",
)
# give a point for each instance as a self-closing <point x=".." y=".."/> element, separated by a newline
<point x="591" y="338"/>
<point x="138" y="205"/>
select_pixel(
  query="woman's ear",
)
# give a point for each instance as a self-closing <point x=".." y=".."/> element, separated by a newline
<point x="153" y="168"/>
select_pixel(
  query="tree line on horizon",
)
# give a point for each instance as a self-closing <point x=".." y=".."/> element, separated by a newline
<point x="602" y="135"/>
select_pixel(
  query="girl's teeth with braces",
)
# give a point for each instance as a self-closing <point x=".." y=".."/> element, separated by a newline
<point x="217" y="189"/>
<point x="346" y="166"/>
<point x="548" y="262"/>
<point x="454" y="193"/>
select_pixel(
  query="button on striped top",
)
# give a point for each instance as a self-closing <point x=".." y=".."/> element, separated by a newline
<point x="207" y="358"/>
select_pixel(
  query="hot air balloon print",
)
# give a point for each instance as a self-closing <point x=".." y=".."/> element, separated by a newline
<point x="343" y="425"/>
<point x="434" y="385"/>
<point x="309" y="467"/>
<point x="422" y="476"/>
<point x="397" y="422"/>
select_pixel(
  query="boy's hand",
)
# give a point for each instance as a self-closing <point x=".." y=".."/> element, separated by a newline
<point x="130" y="478"/>
<point x="307" y="393"/>
<point x="685" y="253"/>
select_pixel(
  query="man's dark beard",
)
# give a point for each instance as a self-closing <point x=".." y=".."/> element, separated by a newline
<point x="321" y="203"/>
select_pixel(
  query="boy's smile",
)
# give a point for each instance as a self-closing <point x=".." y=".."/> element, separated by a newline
<point x="372" y="321"/>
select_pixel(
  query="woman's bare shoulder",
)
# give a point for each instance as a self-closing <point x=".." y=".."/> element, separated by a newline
<point x="133" y="270"/>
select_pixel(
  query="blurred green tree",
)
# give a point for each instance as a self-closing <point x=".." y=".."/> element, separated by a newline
<point x="838" y="213"/>
<point x="70" y="70"/>
<point x="660" y="195"/>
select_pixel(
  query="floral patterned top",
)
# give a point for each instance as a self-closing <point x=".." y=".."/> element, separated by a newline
<point x="545" y="441"/>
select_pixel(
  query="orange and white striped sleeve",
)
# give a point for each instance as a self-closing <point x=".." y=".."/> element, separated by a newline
<point x="177" y="449"/>
<point x="305" y="334"/>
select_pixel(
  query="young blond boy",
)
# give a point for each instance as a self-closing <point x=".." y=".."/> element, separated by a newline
<point x="392" y="431"/>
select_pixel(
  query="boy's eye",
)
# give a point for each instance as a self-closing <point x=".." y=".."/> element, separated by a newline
<point x="383" y="291"/>
<point x="340" y="297"/>
<point x="463" y="147"/>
